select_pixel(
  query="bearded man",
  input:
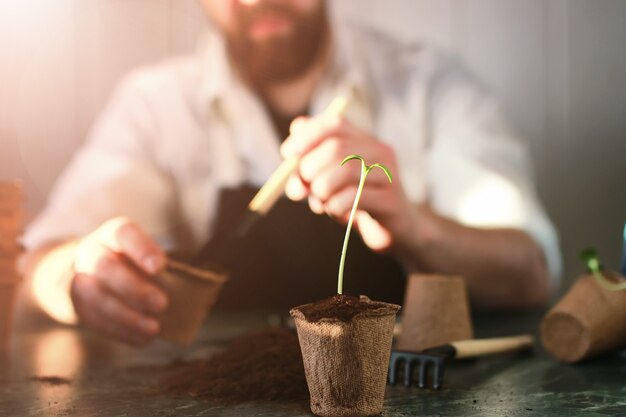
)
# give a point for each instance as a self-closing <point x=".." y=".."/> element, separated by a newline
<point x="183" y="146"/>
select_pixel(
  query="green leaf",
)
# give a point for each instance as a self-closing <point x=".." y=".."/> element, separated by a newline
<point x="351" y="157"/>
<point x="384" y="168"/>
<point x="590" y="257"/>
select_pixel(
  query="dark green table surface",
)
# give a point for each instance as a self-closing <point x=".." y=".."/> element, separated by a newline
<point x="102" y="383"/>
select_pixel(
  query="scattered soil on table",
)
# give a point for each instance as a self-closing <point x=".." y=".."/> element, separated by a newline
<point x="52" y="380"/>
<point x="261" y="366"/>
<point x="340" y="307"/>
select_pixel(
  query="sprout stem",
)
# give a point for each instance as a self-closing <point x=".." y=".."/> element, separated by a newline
<point x="342" y="262"/>
<point x="365" y="169"/>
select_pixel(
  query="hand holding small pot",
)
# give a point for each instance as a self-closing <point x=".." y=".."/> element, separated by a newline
<point x="126" y="288"/>
<point x="113" y="290"/>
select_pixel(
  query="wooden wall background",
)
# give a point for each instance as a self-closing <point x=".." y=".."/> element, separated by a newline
<point x="558" y="67"/>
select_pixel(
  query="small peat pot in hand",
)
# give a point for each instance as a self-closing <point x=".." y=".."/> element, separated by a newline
<point x="192" y="292"/>
<point x="346" y="342"/>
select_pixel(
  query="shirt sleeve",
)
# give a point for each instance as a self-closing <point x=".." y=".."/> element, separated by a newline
<point x="113" y="174"/>
<point x="478" y="173"/>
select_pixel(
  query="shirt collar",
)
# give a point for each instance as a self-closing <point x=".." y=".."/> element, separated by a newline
<point x="216" y="72"/>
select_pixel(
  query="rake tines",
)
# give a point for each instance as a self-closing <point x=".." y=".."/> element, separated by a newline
<point x="424" y="361"/>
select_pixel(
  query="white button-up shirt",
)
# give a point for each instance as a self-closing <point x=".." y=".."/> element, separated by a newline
<point x="174" y="134"/>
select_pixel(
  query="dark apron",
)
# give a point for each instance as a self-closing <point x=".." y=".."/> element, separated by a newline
<point x="291" y="257"/>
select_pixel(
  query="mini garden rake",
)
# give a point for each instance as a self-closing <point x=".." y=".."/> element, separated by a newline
<point x="436" y="357"/>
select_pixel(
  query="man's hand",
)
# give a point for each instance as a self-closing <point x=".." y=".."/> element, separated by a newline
<point x="385" y="214"/>
<point x="113" y="291"/>
<point x="503" y="267"/>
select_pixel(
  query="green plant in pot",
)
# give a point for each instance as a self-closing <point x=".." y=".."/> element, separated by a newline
<point x="346" y="341"/>
<point x="590" y="257"/>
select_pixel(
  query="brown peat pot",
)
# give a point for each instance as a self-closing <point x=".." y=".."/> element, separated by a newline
<point x="11" y="214"/>
<point x="346" y="356"/>
<point x="588" y="321"/>
<point x="191" y="292"/>
<point x="8" y="292"/>
<point x="435" y="312"/>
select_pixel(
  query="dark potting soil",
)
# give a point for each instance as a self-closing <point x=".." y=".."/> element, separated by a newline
<point x="341" y="307"/>
<point x="261" y="366"/>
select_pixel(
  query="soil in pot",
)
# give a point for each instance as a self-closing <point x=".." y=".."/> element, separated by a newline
<point x="339" y="307"/>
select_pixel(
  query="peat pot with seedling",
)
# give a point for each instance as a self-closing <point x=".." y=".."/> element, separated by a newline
<point x="590" y="319"/>
<point x="346" y="341"/>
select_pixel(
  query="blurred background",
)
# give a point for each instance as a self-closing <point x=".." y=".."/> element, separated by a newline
<point x="558" y="68"/>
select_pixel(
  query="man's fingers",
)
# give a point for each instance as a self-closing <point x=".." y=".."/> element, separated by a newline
<point x="130" y="285"/>
<point x="333" y="179"/>
<point x="297" y="124"/>
<point x="116" y="273"/>
<point x="308" y="133"/>
<point x="112" y="292"/>
<point x="377" y="201"/>
<point x="124" y="236"/>
<point x="102" y="311"/>
<point x="295" y="188"/>
<point x="326" y="155"/>
<point x="316" y="205"/>
<point x="340" y="204"/>
<point x="375" y="236"/>
<point x="322" y="164"/>
<point x="115" y="311"/>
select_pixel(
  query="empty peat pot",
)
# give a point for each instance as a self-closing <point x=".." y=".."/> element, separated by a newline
<point x="588" y="321"/>
<point x="9" y="285"/>
<point x="8" y="292"/>
<point x="11" y="219"/>
<point x="435" y="312"/>
<point x="191" y="292"/>
<point x="346" y="362"/>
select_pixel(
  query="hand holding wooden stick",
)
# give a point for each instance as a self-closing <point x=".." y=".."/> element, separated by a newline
<point x="274" y="187"/>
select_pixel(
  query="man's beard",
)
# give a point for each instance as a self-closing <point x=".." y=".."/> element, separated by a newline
<point x="281" y="58"/>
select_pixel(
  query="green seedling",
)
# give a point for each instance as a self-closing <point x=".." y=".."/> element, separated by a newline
<point x="365" y="169"/>
<point x="590" y="257"/>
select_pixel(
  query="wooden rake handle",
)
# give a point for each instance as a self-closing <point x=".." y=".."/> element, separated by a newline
<point x="483" y="347"/>
<point x="273" y="188"/>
